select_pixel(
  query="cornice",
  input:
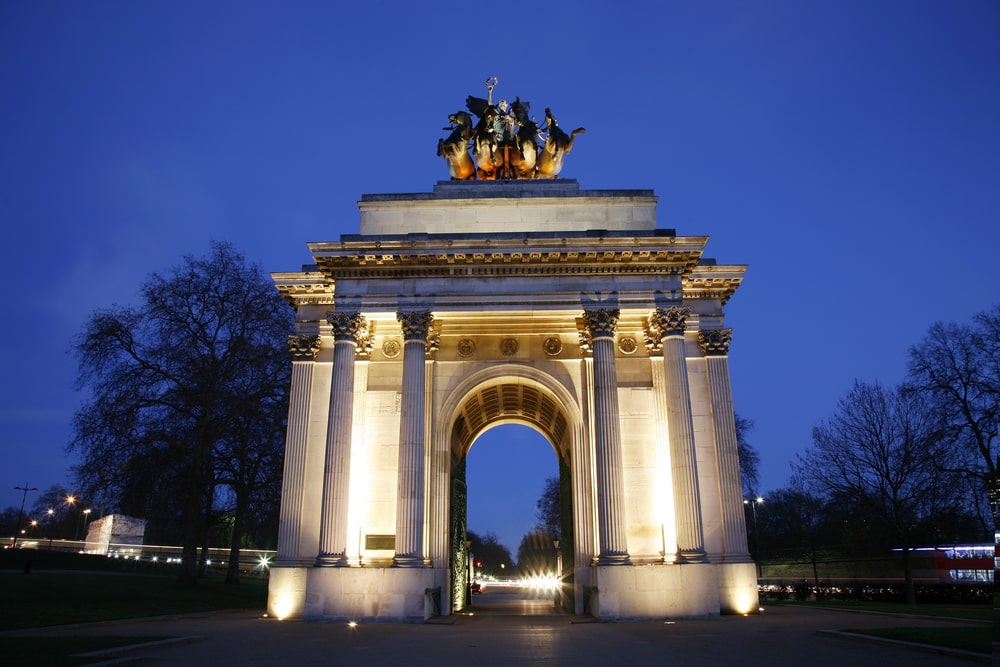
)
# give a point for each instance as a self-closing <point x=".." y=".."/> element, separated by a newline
<point x="713" y="282"/>
<point x="398" y="258"/>
<point x="302" y="288"/>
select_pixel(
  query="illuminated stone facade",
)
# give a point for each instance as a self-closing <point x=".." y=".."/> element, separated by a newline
<point x="531" y="302"/>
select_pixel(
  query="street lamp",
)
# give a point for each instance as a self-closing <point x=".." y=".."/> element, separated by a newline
<point x="20" y="513"/>
<point x="558" y="595"/>
<point x="470" y="564"/>
<point x="756" y="539"/>
<point x="86" y="520"/>
<point x="52" y="518"/>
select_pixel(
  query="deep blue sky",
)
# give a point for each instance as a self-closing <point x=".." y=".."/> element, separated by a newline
<point x="846" y="150"/>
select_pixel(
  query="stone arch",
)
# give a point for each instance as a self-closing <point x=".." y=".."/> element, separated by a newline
<point x="511" y="393"/>
<point x="506" y="393"/>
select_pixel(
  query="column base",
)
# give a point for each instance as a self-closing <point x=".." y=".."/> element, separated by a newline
<point x="614" y="559"/>
<point x="692" y="557"/>
<point x="331" y="560"/>
<point x="408" y="561"/>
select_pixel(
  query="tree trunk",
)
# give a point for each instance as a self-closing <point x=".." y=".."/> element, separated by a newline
<point x="194" y="519"/>
<point x="236" y="540"/>
<point x="911" y="593"/>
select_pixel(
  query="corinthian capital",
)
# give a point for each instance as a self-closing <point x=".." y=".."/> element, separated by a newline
<point x="601" y="323"/>
<point x="669" y="321"/>
<point x="303" y="347"/>
<point x="416" y="324"/>
<point x="715" y="341"/>
<point x="348" y="325"/>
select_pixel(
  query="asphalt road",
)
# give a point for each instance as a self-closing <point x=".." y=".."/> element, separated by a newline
<point x="507" y="628"/>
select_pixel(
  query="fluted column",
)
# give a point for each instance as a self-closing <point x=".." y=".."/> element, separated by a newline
<point x="349" y="329"/>
<point x="612" y="541"/>
<point x="669" y="323"/>
<point x="303" y="350"/>
<point x="714" y="344"/>
<point x="410" y="495"/>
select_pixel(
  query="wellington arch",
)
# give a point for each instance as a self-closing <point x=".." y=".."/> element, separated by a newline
<point x="486" y="302"/>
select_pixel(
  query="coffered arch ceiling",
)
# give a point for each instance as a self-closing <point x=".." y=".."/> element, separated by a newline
<point x="510" y="402"/>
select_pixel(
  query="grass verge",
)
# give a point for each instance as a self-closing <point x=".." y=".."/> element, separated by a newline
<point x="46" y="599"/>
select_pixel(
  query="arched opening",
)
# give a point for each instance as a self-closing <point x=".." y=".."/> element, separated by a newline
<point x="508" y="439"/>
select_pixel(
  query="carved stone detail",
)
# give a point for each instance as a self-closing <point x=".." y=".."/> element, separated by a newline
<point x="352" y="326"/>
<point x="391" y="348"/>
<point x="601" y="322"/>
<point x="669" y="321"/>
<point x="303" y="347"/>
<point x="433" y="343"/>
<point x="509" y="347"/>
<point x="416" y="324"/>
<point x="627" y="345"/>
<point x="552" y="346"/>
<point x="715" y="341"/>
<point x="466" y="348"/>
<point x="652" y="339"/>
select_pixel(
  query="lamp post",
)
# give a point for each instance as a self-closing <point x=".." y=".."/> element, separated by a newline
<point x="756" y="539"/>
<point x="20" y="513"/>
<point x="558" y="594"/>
<point x="86" y="520"/>
<point x="469" y="570"/>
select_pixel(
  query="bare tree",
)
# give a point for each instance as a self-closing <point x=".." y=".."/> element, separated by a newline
<point x="749" y="458"/>
<point x="548" y="508"/>
<point x="879" y="451"/>
<point x="959" y="367"/>
<point x="170" y="384"/>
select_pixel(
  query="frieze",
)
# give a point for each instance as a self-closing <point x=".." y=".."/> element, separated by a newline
<point x="303" y="347"/>
<point x="715" y="341"/>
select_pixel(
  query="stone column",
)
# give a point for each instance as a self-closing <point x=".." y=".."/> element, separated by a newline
<point x="612" y="542"/>
<point x="669" y="323"/>
<point x="349" y="329"/>
<point x="714" y="344"/>
<point x="303" y="350"/>
<point x="410" y="495"/>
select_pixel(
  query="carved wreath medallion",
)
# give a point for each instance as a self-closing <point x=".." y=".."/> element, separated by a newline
<point x="466" y="348"/>
<point x="508" y="347"/>
<point x="552" y="346"/>
<point x="627" y="345"/>
<point x="391" y="348"/>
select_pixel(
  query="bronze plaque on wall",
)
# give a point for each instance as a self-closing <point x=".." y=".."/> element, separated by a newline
<point x="380" y="542"/>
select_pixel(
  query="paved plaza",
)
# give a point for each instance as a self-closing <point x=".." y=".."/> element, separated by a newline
<point x="506" y="629"/>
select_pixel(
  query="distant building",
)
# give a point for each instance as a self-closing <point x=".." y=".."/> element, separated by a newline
<point x="115" y="533"/>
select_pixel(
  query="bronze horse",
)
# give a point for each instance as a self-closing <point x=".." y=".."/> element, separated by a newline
<point x="485" y="145"/>
<point x="523" y="158"/>
<point x="455" y="149"/>
<point x="557" y="145"/>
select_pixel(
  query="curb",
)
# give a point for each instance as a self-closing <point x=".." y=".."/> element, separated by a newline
<point x="121" y="652"/>
<point x="925" y="648"/>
